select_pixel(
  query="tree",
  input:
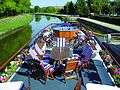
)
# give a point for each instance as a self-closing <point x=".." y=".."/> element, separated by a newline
<point x="9" y="7"/>
<point x="64" y="10"/>
<point x="1" y="9"/>
<point x="118" y="7"/>
<point x="101" y="6"/>
<point x="50" y="9"/>
<point x="13" y="7"/>
<point x="89" y="4"/>
<point x="71" y="8"/>
<point x="23" y="5"/>
<point x="97" y="5"/>
<point x="36" y="9"/>
<point x="106" y="7"/>
<point x="82" y="8"/>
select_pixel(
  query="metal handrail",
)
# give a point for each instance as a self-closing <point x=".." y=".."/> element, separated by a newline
<point x="117" y="34"/>
<point x="103" y="47"/>
<point x="111" y="55"/>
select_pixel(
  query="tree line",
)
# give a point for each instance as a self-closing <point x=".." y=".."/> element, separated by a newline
<point x="49" y="9"/>
<point x="81" y="7"/>
<point x="96" y="7"/>
<point x="14" y="7"/>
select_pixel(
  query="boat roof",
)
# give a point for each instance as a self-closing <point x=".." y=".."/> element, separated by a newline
<point x="16" y="85"/>
<point x="66" y="27"/>
<point x="92" y="86"/>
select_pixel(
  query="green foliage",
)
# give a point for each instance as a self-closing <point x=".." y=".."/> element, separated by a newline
<point x="101" y="6"/>
<point x="117" y="6"/>
<point x="36" y="9"/>
<point x="117" y="80"/>
<point x="14" y="7"/>
<point x="64" y="10"/>
<point x="49" y="9"/>
<point x="9" y="4"/>
<point x="10" y="69"/>
<point x="98" y="7"/>
<point x="69" y="8"/>
<point x="79" y="8"/>
<point x="89" y="4"/>
<point x="82" y="9"/>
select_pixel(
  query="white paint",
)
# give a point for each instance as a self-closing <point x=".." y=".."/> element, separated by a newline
<point x="92" y="86"/>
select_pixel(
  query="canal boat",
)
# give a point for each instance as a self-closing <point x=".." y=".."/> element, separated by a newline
<point x="63" y="56"/>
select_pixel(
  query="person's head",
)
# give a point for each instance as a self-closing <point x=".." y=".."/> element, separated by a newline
<point x="108" y="57"/>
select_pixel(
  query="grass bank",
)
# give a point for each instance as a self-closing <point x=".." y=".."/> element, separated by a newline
<point x="14" y="33"/>
<point x="12" y="43"/>
<point x="11" y="23"/>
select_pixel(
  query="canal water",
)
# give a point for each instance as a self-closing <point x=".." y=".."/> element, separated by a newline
<point x="39" y="22"/>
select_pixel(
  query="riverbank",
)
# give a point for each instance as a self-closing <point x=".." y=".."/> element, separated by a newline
<point x="11" y="23"/>
<point x="108" y="19"/>
<point x="15" y="32"/>
<point x="12" y="43"/>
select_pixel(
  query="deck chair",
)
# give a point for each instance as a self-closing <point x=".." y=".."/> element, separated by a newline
<point x="70" y="68"/>
<point x="39" y="51"/>
<point x="39" y="70"/>
<point x="33" y="54"/>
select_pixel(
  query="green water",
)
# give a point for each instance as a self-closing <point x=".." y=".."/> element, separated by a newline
<point x="12" y="43"/>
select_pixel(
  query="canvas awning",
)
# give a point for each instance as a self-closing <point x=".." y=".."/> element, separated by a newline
<point x="18" y="85"/>
<point x="92" y="86"/>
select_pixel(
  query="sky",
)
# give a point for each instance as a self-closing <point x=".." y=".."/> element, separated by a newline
<point x="45" y="3"/>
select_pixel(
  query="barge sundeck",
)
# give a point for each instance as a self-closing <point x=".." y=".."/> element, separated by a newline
<point x="64" y="56"/>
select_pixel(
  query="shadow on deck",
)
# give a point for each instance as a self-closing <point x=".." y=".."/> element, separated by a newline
<point x="88" y="75"/>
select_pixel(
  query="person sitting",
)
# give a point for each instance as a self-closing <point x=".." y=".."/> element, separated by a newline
<point x="39" y="69"/>
<point x="108" y="60"/>
<point x="57" y="69"/>
<point x="89" y="35"/>
<point x="93" y="44"/>
<point x="86" y="55"/>
<point x="102" y="54"/>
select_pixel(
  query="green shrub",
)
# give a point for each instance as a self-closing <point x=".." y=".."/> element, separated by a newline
<point x="117" y="80"/>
